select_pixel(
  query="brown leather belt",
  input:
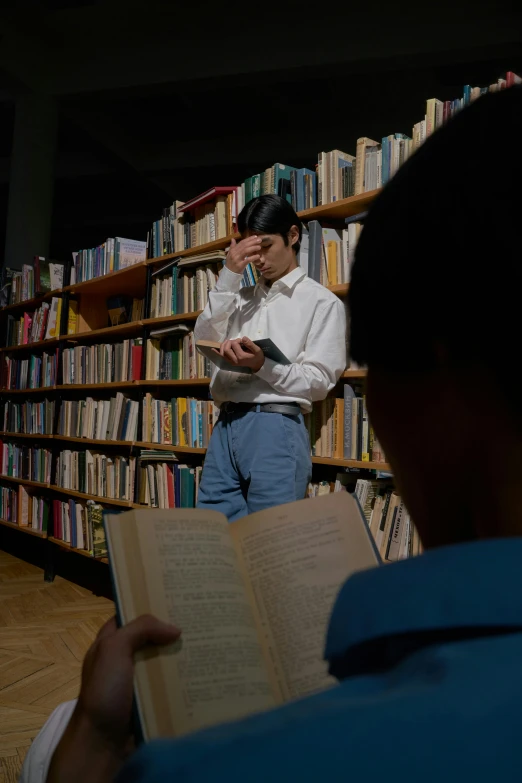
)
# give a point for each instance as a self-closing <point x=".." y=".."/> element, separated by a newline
<point x="286" y="408"/>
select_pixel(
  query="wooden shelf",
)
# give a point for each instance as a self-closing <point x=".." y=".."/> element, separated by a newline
<point x="351" y="463"/>
<point x="168" y="447"/>
<point x="25" y="435"/>
<point x="341" y="289"/>
<point x="93" y="442"/>
<point x="170" y="319"/>
<point x="85" y="496"/>
<point x="111" y="284"/>
<point x="40" y="390"/>
<point x="217" y="244"/>
<point x="69" y="548"/>
<point x="182" y="382"/>
<point x="30" y="346"/>
<point x="29" y="304"/>
<point x="24" y="528"/>
<point x="115" y="385"/>
<point x="29" y="483"/>
<point x="337" y="210"/>
<point x="354" y="374"/>
<point x="108" y="331"/>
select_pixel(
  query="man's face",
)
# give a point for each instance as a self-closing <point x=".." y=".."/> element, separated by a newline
<point x="277" y="259"/>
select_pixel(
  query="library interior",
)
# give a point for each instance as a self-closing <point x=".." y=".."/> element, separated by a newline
<point x="187" y="212"/>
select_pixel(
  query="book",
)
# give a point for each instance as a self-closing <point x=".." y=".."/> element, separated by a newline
<point x="178" y="689"/>
<point x="72" y="317"/>
<point x="210" y="350"/>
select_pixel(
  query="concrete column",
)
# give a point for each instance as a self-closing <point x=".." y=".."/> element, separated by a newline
<point x="31" y="180"/>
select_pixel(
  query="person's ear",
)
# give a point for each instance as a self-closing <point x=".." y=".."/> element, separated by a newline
<point x="294" y="235"/>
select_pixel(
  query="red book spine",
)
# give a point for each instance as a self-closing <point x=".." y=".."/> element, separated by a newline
<point x="446" y="111"/>
<point x="170" y="486"/>
<point x="137" y="351"/>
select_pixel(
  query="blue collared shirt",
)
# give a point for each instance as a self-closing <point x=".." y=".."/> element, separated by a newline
<point x="429" y="655"/>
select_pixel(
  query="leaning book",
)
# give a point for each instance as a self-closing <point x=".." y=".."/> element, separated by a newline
<point x="253" y="599"/>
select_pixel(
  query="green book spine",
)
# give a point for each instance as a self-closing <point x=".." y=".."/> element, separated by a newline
<point x="256" y="185"/>
<point x="248" y="189"/>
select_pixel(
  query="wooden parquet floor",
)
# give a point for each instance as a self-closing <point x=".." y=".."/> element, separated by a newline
<point x="45" y="631"/>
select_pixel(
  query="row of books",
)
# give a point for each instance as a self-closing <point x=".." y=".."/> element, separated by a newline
<point x="29" y="417"/>
<point x="163" y="483"/>
<point x="19" y="507"/>
<point x="172" y="355"/>
<point x="339" y="428"/>
<point x="80" y="524"/>
<point x="33" y="372"/>
<point x="31" y="327"/>
<point x="210" y="216"/>
<point x="390" y="524"/>
<point x="115" y="419"/>
<point x="180" y="421"/>
<point x="114" y="254"/>
<point x="327" y="254"/>
<point x="25" y="462"/>
<point x="182" y="288"/>
<point x="103" y="363"/>
<point x="32" y="280"/>
<point x="95" y="473"/>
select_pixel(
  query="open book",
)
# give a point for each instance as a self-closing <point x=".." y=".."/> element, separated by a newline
<point x="253" y="599"/>
<point x="209" y="348"/>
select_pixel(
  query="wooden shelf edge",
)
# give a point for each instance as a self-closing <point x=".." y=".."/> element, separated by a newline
<point x="93" y="442"/>
<point x="77" y="288"/>
<point x="35" y="302"/>
<point x="69" y="548"/>
<point x="24" y="529"/>
<point x="351" y="463"/>
<point x="168" y="447"/>
<point x="40" y="390"/>
<point x="181" y="382"/>
<point x="354" y="374"/>
<point x="25" y="435"/>
<point x="30" y="346"/>
<point x="165" y="320"/>
<point x="29" y="482"/>
<point x="97" y="499"/>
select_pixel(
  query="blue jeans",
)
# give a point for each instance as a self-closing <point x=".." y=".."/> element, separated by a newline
<point x="255" y="460"/>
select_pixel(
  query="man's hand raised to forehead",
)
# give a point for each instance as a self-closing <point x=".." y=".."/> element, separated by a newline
<point x="242" y="253"/>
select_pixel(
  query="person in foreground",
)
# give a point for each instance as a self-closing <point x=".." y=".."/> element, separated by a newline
<point x="259" y="452"/>
<point x="427" y="650"/>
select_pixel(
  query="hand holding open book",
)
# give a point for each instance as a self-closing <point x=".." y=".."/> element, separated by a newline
<point x="253" y="600"/>
<point x="242" y="354"/>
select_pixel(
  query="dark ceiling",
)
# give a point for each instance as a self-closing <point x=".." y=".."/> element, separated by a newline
<point x="158" y="101"/>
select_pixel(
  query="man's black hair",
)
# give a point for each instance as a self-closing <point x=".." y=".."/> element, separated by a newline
<point x="439" y="261"/>
<point x="270" y="214"/>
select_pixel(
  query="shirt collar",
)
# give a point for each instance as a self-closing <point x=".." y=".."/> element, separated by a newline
<point x="288" y="281"/>
<point x="383" y="614"/>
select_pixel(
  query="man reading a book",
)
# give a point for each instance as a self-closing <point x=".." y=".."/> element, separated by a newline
<point x="259" y="452"/>
<point x="427" y="650"/>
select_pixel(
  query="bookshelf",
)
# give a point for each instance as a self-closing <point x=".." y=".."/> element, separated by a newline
<point x="92" y="330"/>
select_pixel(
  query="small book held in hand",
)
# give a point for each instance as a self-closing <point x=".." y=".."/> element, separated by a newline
<point x="208" y="348"/>
<point x="253" y="599"/>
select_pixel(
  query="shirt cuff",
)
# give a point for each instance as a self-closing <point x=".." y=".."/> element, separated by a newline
<point x="268" y="371"/>
<point x="228" y="281"/>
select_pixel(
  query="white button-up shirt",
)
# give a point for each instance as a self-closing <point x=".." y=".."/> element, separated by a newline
<point x="306" y="322"/>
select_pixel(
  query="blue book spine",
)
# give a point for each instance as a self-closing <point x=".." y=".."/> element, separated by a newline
<point x="300" y="189"/>
<point x="348" y="403"/>
<point x="466" y="98"/>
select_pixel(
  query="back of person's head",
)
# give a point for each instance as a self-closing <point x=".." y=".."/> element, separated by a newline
<point x="270" y="214"/>
<point x="435" y="304"/>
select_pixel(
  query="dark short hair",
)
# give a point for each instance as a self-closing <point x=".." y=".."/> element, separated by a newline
<point x="270" y="214"/>
<point x="439" y="261"/>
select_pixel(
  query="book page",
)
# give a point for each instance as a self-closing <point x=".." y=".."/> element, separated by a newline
<point x="296" y="558"/>
<point x="181" y="566"/>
